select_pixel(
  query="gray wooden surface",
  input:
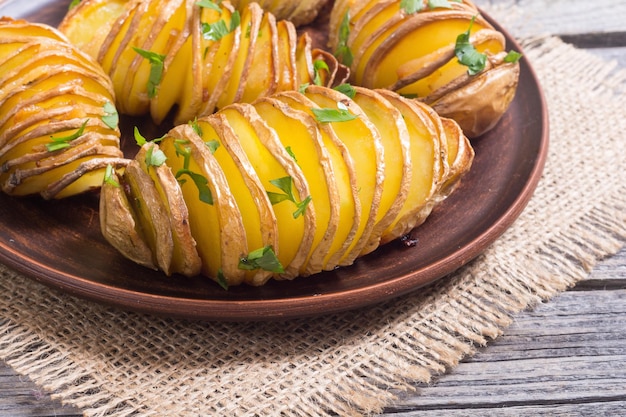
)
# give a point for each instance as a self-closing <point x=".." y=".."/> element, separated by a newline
<point x="566" y="357"/>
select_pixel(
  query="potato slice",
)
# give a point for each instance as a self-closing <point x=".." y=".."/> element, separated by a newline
<point x="245" y="186"/>
<point x="251" y="18"/>
<point x="299" y="133"/>
<point x="345" y="180"/>
<point x="185" y="258"/>
<point x="460" y="156"/>
<point x="397" y="159"/>
<point x="426" y="167"/>
<point x="365" y="146"/>
<point x="152" y="215"/>
<point x="272" y="163"/>
<point x="89" y="22"/>
<point x="119" y="224"/>
<point x="214" y="218"/>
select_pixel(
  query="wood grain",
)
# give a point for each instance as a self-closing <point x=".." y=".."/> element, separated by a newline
<point x="567" y="357"/>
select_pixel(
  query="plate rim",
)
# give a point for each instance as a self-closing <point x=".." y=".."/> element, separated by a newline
<point x="300" y="306"/>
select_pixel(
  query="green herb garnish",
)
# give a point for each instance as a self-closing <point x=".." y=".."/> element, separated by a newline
<point x="108" y="176"/>
<point x="155" y="158"/>
<point x="216" y="31"/>
<point x="202" y="184"/>
<point x="285" y="184"/>
<point x="343" y="52"/>
<point x="64" y="141"/>
<point x="73" y="4"/>
<point x="340" y="114"/>
<point x="512" y="57"/>
<point x="221" y="279"/>
<point x="156" y="69"/>
<point x="111" y="118"/>
<point x="318" y="66"/>
<point x="467" y="54"/>
<point x="213" y="145"/>
<point x="208" y="4"/>
<point x="346" y="89"/>
<point x="263" y="258"/>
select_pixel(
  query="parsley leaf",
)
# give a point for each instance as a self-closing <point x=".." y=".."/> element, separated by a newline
<point x="343" y="52"/>
<point x="202" y="184"/>
<point x="319" y="65"/>
<point x="467" y="54"/>
<point x="64" y="141"/>
<point x="216" y="31"/>
<point x="156" y="69"/>
<point x="221" y="279"/>
<point x="139" y="139"/>
<point x="108" y="176"/>
<point x="212" y="145"/>
<point x="111" y="118"/>
<point x="512" y="57"/>
<point x="73" y="4"/>
<point x="340" y="114"/>
<point x="155" y="158"/>
<point x="285" y="184"/>
<point x="346" y="89"/>
<point x="208" y="4"/>
<point x="263" y="258"/>
<point x="411" y="6"/>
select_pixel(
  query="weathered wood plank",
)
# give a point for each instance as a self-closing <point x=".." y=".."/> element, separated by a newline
<point x="571" y="350"/>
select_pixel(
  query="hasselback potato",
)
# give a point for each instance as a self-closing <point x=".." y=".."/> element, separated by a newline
<point x="192" y="57"/>
<point x="58" y="123"/>
<point x="291" y="184"/>
<point x="443" y="53"/>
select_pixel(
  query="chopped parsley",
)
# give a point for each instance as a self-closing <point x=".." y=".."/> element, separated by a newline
<point x="343" y="52"/>
<point x="111" y="118"/>
<point x="285" y="184"/>
<point x="64" y="141"/>
<point x="467" y="54"/>
<point x="346" y="89"/>
<point x="202" y="184"/>
<point x="155" y="158"/>
<point x="208" y="4"/>
<point x="73" y="4"/>
<point x="108" y="176"/>
<point x="414" y="6"/>
<point x="512" y="57"/>
<point x="216" y="31"/>
<point x="213" y="145"/>
<point x="221" y="279"/>
<point x="340" y="114"/>
<point x="263" y="258"/>
<point x="318" y="66"/>
<point x="156" y="69"/>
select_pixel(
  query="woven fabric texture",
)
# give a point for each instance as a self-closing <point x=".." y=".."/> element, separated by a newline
<point x="110" y="362"/>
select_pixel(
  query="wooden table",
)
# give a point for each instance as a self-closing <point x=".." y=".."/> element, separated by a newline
<point x="567" y="357"/>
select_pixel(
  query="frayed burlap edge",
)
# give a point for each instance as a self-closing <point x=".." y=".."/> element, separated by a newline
<point x="418" y="336"/>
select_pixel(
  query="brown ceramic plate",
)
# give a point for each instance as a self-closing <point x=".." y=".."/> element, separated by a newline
<point x="59" y="244"/>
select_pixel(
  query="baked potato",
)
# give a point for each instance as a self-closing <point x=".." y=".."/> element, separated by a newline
<point x="289" y="185"/>
<point x="442" y="53"/>
<point x="192" y="57"/>
<point x="58" y="123"/>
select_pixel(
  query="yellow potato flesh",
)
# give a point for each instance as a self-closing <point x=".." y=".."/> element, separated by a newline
<point x="366" y="151"/>
<point x="219" y="62"/>
<point x="177" y="79"/>
<point x="256" y="211"/>
<point x="204" y="218"/>
<point x="426" y="167"/>
<point x="91" y="180"/>
<point x="286" y="67"/>
<point x="90" y="22"/>
<point x="379" y="18"/>
<point x="445" y="74"/>
<point x="268" y="168"/>
<point x="265" y="55"/>
<point x="439" y="34"/>
<point x="345" y="180"/>
<point x="397" y="162"/>
<point x="247" y="31"/>
<point x="310" y="155"/>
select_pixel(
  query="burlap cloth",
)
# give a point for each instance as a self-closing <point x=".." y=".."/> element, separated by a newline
<point x="109" y="362"/>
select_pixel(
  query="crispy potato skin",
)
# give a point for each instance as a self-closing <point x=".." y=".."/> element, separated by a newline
<point x="299" y="182"/>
